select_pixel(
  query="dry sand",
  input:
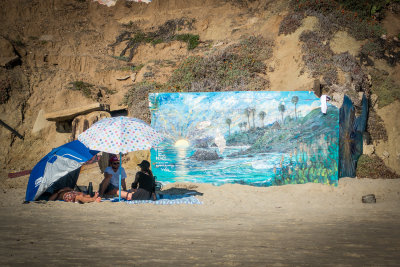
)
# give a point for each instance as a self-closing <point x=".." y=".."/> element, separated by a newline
<point x="237" y="225"/>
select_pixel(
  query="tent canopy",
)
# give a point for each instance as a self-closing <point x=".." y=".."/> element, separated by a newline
<point x="59" y="168"/>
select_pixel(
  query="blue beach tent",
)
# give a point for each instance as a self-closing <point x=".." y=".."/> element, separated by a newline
<point x="60" y="168"/>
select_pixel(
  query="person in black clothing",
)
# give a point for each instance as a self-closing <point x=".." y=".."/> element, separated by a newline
<point x="144" y="184"/>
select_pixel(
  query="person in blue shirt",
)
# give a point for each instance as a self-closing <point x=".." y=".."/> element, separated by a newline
<point x="110" y="183"/>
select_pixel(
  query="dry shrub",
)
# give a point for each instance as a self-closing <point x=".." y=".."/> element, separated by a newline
<point x="235" y="68"/>
<point x="386" y="49"/>
<point x="318" y="57"/>
<point x="333" y="17"/>
<point x="373" y="167"/>
<point x="375" y="126"/>
<point x="291" y="23"/>
<point x="256" y="47"/>
<point x="91" y="91"/>
<point x="349" y="64"/>
<point x="137" y="99"/>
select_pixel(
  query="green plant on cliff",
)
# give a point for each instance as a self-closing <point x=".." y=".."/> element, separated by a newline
<point x="84" y="87"/>
<point x="134" y="37"/>
<point x="191" y="40"/>
<point x="138" y="90"/>
<point x="384" y="87"/>
<point x="366" y="8"/>
<point x="318" y="57"/>
<point x="372" y="48"/>
<point x="333" y="16"/>
<point x="138" y="67"/>
<point x="216" y="72"/>
<point x="237" y="67"/>
<point x="122" y="58"/>
<point x="383" y="48"/>
<point x="108" y="91"/>
<point x="19" y="42"/>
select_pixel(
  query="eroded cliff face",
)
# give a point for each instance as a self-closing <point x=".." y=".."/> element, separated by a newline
<point x="49" y="49"/>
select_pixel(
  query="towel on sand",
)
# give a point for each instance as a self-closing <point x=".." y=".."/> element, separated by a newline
<point x="164" y="199"/>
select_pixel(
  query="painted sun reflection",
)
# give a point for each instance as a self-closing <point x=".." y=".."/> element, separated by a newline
<point x="181" y="146"/>
<point x="182" y="143"/>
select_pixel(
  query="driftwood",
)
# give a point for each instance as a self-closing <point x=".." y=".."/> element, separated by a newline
<point x="351" y="136"/>
<point x="11" y="129"/>
<point x="70" y="114"/>
<point x="123" y="78"/>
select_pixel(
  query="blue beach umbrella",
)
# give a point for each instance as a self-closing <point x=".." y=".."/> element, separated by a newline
<point x="59" y="168"/>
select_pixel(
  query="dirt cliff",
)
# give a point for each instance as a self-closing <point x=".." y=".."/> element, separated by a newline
<point x="62" y="54"/>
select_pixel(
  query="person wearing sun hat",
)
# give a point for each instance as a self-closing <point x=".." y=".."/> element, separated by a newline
<point x="110" y="183"/>
<point x="144" y="184"/>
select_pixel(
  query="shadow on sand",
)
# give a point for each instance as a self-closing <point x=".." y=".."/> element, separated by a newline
<point x="180" y="192"/>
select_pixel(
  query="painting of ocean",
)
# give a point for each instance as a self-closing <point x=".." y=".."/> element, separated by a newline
<point x="254" y="138"/>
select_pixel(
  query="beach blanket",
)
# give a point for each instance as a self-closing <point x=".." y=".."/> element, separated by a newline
<point x="164" y="199"/>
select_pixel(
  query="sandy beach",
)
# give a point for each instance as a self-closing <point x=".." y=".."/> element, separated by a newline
<point x="237" y="225"/>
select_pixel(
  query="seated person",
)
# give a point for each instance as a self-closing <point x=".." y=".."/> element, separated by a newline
<point x="69" y="195"/>
<point x="110" y="183"/>
<point x="144" y="185"/>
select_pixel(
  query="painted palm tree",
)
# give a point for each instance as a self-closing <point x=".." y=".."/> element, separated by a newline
<point x="253" y="111"/>
<point x="295" y="100"/>
<point x="244" y="125"/>
<point x="247" y="112"/>
<point x="241" y="126"/>
<point x="229" y="121"/>
<point x="282" y="110"/>
<point x="262" y="115"/>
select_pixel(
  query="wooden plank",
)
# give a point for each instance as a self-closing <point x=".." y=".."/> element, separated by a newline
<point x="19" y="174"/>
<point x="69" y="114"/>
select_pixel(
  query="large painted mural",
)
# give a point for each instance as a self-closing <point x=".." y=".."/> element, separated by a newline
<point x="253" y="138"/>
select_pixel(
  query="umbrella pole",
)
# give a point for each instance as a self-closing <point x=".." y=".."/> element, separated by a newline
<point x="120" y="158"/>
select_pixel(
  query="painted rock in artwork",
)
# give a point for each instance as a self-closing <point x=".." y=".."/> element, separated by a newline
<point x="205" y="154"/>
